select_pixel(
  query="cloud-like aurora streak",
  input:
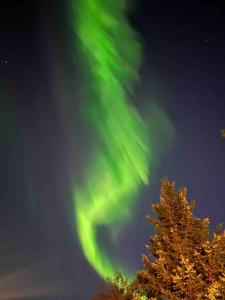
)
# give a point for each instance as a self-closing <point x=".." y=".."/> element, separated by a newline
<point x="121" y="161"/>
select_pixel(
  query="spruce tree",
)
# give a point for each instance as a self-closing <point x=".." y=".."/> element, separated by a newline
<point x="185" y="260"/>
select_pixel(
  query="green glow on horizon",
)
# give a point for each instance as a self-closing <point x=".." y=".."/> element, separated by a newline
<point x="121" y="161"/>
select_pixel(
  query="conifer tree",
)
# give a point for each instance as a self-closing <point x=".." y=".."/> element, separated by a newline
<point x="185" y="260"/>
<point x="115" y="289"/>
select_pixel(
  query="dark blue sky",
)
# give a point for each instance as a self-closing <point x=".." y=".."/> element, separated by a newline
<point x="44" y="143"/>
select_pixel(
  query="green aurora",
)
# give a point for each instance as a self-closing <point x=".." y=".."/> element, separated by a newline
<point x="121" y="160"/>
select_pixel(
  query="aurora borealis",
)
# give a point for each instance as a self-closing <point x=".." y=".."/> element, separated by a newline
<point x="52" y="143"/>
<point x="121" y="158"/>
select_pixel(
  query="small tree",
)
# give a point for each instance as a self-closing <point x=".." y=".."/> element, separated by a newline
<point x="115" y="289"/>
<point x="185" y="260"/>
<point x="109" y="292"/>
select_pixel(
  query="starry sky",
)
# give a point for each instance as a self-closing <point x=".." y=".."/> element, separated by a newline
<point x="44" y="143"/>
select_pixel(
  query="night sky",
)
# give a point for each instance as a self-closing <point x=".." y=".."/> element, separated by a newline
<point x="45" y="144"/>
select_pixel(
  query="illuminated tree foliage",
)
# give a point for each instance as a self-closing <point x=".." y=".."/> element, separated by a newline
<point x="185" y="260"/>
<point x="222" y="133"/>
